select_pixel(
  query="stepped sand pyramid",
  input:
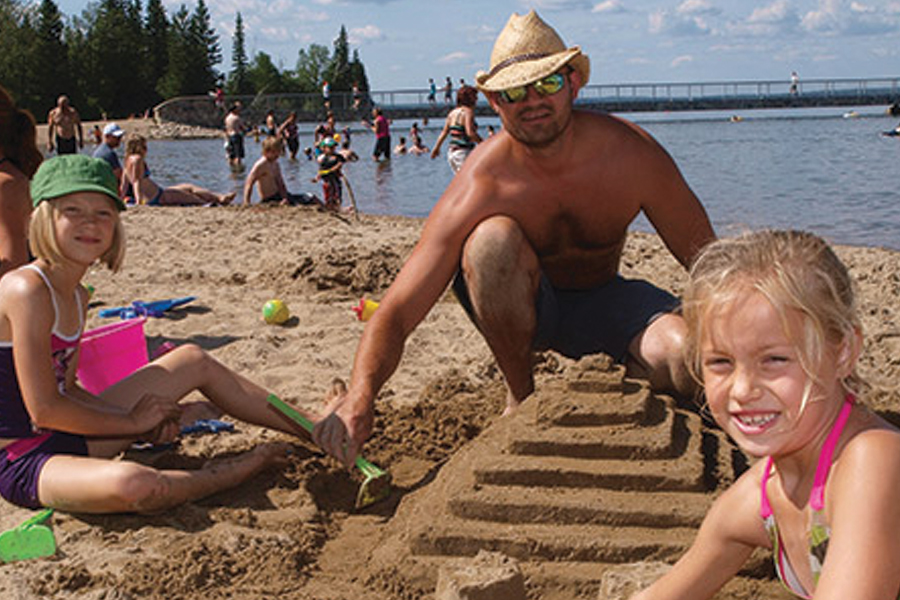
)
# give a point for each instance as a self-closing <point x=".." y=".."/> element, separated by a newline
<point x="592" y="472"/>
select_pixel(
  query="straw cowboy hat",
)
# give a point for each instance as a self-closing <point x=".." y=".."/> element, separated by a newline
<point x="528" y="50"/>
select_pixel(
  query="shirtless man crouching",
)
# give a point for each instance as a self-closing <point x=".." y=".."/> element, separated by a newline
<point x="531" y="233"/>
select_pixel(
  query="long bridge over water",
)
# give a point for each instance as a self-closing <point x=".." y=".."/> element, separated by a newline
<point x="620" y="97"/>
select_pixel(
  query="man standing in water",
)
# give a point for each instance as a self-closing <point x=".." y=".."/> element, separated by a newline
<point x="531" y="233"/>
<point x="234" y="136"/>
<point x="63" y="121"/>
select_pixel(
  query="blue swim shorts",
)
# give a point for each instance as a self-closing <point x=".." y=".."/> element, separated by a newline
<point x="19" y="473"/>
<point x="604" y="319"/>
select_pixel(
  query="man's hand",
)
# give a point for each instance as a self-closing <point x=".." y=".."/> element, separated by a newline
<point x="346" y="428"/>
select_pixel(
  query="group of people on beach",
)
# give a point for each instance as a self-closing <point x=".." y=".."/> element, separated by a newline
<point x="530" y="235"/>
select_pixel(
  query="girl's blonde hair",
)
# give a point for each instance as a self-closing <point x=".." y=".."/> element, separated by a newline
<point x="795" y="271"/>
<point x="135" y="143"/>
<point x="43" y="243"/>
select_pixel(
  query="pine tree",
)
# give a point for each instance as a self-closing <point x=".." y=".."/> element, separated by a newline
<point x="156" y="32"/>
<point x="238" y="82"/>
<point x="50" y="53"/>
<point x="338" y="72"/>
<point x="175" y="81"/>
<point x="358" y="72"/>
<point x="206" y="49"/>
<point x="17" y="64"/>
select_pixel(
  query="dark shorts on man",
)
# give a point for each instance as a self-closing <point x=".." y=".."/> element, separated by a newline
<point x="235" y="146"/>
<point x="19" y="474"/>
<point x="66" y="145"/>
<point x="604" y="319"/>
<point x="382" y="147"/>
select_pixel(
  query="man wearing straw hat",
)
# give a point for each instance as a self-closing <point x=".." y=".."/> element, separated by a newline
<point x="531" y="233"/>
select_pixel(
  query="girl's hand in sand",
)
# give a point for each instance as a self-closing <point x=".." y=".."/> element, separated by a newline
<point x="151" y="411"/>
<point x="343" y="432"/>
<point x="164" y="433"/>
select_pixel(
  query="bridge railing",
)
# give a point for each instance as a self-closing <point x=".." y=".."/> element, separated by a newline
<point x="737" y="89"/>
<point x="620" y="96"/>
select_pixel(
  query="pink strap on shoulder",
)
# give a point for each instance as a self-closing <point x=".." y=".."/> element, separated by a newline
<point x="817" y="494"/>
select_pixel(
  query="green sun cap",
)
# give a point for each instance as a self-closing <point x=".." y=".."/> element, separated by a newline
<point x="72" y="173"/>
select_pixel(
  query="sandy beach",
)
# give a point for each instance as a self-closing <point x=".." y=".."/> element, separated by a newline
<point x="293" y="534"/>
<point x="149" y="128"/>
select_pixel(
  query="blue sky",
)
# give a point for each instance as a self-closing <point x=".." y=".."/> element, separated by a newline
<point x="404" y="42"/>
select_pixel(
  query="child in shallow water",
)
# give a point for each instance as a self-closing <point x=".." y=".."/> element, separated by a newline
<point x="774" y="338"/>
<point x="56" y="439"/>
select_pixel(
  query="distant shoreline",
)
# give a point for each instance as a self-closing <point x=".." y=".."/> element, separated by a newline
<point x="148" y="128"/>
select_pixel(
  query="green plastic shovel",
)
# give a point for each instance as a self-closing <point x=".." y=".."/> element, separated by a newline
<point x="31" y="539"/>
<point x="376" y="485"/>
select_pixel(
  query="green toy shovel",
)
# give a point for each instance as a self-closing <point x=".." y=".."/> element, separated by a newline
<point x="377" y="483"/>
<point x="31" y="539"/>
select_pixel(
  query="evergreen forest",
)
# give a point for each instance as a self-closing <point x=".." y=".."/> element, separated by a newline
<point x="120" y="58"/>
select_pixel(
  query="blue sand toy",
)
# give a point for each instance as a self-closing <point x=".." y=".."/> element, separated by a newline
<point x="207" y="426"/>
<point x="145" y="309"/>
<point x="198" y="427"/>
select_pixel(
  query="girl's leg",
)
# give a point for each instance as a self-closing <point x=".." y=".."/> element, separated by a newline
<point x="189" y="368"/>
<point x="175" y="196"/>
<point x="93" y="485"/>
<point x="207" y="196"/>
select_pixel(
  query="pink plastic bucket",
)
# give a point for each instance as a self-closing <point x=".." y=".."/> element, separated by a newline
<point x="110" y="353"/>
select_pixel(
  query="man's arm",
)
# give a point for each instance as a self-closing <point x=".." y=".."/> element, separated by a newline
<point x="670" y="205"/>
<point x="79" y="129"/>
<point x="420" y="283"/>
<point x="248" y="184"/>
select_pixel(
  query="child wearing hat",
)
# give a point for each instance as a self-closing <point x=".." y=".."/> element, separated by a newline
<point x="56" y="439"/>
<point x="330" y="164"/>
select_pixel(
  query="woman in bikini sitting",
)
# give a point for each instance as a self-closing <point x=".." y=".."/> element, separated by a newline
<point x="137" y="186"/>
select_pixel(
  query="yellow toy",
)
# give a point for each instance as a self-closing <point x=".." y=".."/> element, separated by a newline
<point x="275" y="312"/>
<point x="366" y="309"/>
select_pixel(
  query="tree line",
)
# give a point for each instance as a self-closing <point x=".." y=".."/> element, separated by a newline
<point x="117" y="58"/>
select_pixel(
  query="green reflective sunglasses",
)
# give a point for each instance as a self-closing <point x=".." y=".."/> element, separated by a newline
<point x="549" y="85"/>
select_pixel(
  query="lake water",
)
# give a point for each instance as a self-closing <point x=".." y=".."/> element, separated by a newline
<point x="826" y="170"/>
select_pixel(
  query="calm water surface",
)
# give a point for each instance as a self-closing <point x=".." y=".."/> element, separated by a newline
<point x="824" y="170"/>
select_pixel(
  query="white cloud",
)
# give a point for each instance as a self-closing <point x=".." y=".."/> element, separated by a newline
<point x="609" y="7"/>
<point x="681" y="60"/>
<point x="777" y="18"/>
<point x="481" y="33"/>
<point x="453" y="57"/>
<point x="369" y="33"/>
<point x="697" y="7"/>
<point x="825" y="19"/>
<point x="551" y="5"/>
<point x="832" y="17"/>
<point x="661" y="22"/>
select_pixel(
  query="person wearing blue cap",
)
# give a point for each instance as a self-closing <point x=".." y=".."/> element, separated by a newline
<point x="57" y="439"/>
<point x="112" y="138"/>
